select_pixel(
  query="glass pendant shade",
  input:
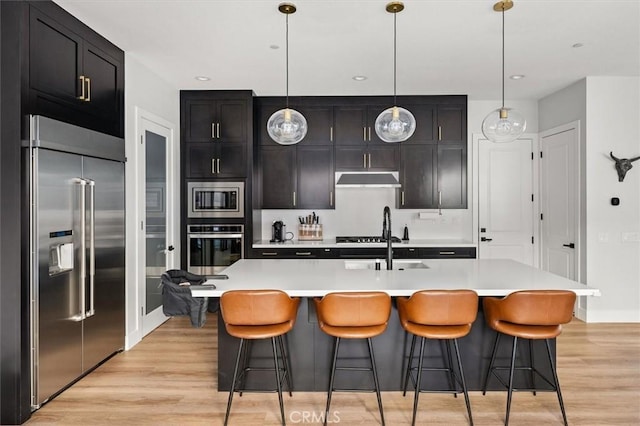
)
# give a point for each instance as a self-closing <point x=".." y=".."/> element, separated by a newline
<point x="503" y="125"/>
<point x="395" y="124"/>
<point x="287" y="126"/>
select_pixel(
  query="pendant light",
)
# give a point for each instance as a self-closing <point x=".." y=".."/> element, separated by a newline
<point x="503" y="124"/>
<point x="287" y="126"/>
<point x="395" y="124"/>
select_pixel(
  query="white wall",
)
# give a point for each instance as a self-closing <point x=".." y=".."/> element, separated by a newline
<point x="613" y="264"/>
<point x="145" y="90"/>
<point x="608" y="109"/>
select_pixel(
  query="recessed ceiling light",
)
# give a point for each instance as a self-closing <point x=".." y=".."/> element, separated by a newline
<point x="359" y="77"/>
<point x="576" y="45"/>
<point x="274" y="47"/>
<point x="517" y="76"/>
<point x="202" y="78"/>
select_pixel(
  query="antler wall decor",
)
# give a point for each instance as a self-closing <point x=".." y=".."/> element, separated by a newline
<point x="623" y="165"/>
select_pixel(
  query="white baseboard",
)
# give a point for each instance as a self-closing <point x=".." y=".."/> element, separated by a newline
<point x="595" y="315"/>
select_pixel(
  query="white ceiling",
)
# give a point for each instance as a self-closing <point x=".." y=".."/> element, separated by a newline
<point x="443" y="47"/>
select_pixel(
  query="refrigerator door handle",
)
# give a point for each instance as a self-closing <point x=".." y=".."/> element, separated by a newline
<point x="83" y="250"/>
<point x="92" y="246"/>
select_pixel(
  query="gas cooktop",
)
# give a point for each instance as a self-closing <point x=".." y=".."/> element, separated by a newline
<point x="369" y="239"/>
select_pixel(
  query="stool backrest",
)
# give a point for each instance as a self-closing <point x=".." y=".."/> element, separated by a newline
<point x="257" y="307"/>
<point x="538" y="307"/>
<point x="442" y="307"/>
<point x="356" y="309"/>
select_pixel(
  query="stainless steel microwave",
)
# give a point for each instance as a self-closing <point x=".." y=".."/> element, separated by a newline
<point x="215" y="199"/>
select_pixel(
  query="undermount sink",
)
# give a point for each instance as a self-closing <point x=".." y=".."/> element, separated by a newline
<point x="398" y="265"/>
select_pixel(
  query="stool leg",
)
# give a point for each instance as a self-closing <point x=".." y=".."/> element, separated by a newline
<point x="510" y="390"/>
<point x="555" y="379"/>
<point x="406" y="377"/>
<point x="452" y="382"/>
<point x="375" y="379"/>
<point x="287" y="364"/>
<point x="277" y="371"/>
<point x="493" y="358"/>
<point x="533" y="376"/>
<point x="246" y="354"/>
<point x="416" y="395"/>
<point x="333" y="373"/>
<point x="464" y="384"/>
<point x="233" y="383"/>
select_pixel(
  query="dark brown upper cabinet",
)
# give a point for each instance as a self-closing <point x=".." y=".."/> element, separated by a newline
<point x="216" y="128"/>
<point x="74" y="75"/>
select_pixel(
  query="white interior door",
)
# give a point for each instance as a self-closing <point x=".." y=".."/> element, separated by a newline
<point x="505" y="200"/>
<point x="156" y="227"/>
<point x="559" y="200"/>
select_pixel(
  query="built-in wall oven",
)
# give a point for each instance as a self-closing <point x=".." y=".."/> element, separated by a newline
<point x="215" y="199"/>
<point x="212" y="248"/>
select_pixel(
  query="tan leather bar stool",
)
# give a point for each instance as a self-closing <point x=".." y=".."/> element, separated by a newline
<point x="357" y="315"/>
<point x="259" y="314"/>
<point x="445" y="315"/>
<point x="533" y="315"/>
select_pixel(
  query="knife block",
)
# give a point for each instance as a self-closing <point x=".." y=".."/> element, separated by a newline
<point x="310" y="232"/>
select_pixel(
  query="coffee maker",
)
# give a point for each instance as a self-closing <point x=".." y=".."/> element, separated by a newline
<point x="278" y="231"/>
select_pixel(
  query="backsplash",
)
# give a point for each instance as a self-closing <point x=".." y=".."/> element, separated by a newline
<point x="359" y="212"/>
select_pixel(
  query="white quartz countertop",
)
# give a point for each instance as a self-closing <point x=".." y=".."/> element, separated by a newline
<point x="331" y="243"/>
<point x="311" y="277"/>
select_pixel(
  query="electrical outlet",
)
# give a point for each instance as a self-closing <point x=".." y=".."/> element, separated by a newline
<point x="629" y="237"/>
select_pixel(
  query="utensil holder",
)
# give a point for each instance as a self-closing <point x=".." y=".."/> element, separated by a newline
<point x="310" y="232"/>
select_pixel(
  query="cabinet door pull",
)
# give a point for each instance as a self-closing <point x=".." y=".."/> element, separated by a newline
<point x="213" y="166"/>
<point x="218" y="130"/>
<point x="402" y="197"/>
<point x="218" y="165"/>
<point x="331" y="198"/>
<point x="88" y="80"/>
<point x="439" y="133"/>
<point x="331" y="134"/>
<point x="269" y="253"/>
<point x="294" y="198"/>
<point x="303" y="253"/>
<point x="447" y="253"/>
<point x="364" y="134"/>
<point x="364" y="161"/>
<point x="369" y="134"/>
<point x="369" y="159"/>
<point x="82" y="89"/>
<point x="440" y="203"/>
<point x="213" y="130"/>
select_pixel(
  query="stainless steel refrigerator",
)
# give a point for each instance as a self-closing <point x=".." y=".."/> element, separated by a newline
<point x="77" y="258"/>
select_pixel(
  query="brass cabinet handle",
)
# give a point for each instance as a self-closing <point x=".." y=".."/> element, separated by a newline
<point x="369" y="159"/>
<point x="369" y="134"/>
<point x="82" y="89"/>
<point x="364" y="134"/>
<point x="448" y="253"/>
<point x="331" y="134"/>
<point x="331" y="198"/>
<point x="440" y="203"/>
<point x="439" y="133"/>
<point x="218" y="130"/>
<point x="218" y="165"/>
<point x="402" y="197"/>
<point x="294" y="198"/>
<point x="303" y="253"/>
<point x="213" y="166"/>
<point x="269" y="253"/>
<point x="213" y="130"/>
<point x="364" y="161"/>
<point x="88" y="80"/>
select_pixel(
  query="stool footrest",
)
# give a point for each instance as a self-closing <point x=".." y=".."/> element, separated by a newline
<point x="533" y="369"/>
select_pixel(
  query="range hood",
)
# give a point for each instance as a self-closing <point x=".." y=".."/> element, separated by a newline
<point x="367" y="180"/>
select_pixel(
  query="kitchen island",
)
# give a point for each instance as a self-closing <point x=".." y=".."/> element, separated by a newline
<point x="310" y="349"/>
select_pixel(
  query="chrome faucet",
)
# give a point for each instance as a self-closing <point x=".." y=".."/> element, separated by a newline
<point x="386" y="233"/>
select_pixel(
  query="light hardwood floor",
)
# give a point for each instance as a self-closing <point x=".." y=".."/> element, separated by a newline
<point x="170" y="379"/>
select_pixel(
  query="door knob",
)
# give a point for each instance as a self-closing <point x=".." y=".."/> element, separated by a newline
<point x="570" y="245"/>
<point x="486" y="239"/>
<point x="170" y="248"/>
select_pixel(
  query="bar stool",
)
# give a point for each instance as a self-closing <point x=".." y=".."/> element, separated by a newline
<point x="259" y="314"/>
<point x="445" y="315"/>
<point x="356" y="315"/>
<point x="533" y="315"/>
